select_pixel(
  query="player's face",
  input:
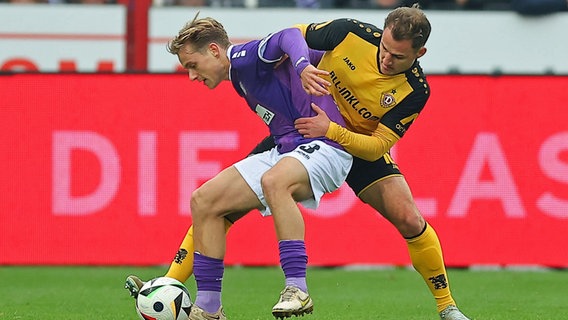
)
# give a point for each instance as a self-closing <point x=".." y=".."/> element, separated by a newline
<point x="205" y="66"/>
<point x="396" y="56"/>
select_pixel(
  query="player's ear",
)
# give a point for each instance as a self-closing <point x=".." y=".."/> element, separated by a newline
<point x="214" y="49"/>
<point x="421" y="52"/>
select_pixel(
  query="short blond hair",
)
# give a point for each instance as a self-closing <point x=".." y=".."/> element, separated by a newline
<point x="199" y="33"/>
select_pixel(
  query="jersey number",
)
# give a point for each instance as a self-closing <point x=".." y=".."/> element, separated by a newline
<point x="310" y="149"/>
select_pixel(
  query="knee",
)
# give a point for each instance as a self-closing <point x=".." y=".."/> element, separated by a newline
<point x="199" y="204"/>
<point x="270" y="184"/>
<point x="409" y="223"/>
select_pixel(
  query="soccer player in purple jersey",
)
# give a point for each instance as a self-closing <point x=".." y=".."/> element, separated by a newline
<point x="390" y="87"/>
<point x="298" y="169"/>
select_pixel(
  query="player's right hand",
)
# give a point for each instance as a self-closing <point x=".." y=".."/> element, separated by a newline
<point x="313" y="127"/>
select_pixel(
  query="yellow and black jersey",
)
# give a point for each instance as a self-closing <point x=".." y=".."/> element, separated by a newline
<point x="378" y="108"/>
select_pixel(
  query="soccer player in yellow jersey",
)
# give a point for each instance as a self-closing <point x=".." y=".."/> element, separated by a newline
<point x="380" y="89"/>
<point x="378" y="84"/>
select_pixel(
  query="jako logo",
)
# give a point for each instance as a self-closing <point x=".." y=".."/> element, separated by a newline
<point x="350" y="65"/>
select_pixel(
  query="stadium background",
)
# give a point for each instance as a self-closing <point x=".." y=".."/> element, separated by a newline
<point x="103" y="141"/>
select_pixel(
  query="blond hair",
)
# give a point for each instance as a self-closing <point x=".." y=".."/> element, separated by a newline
<point x="199" y="33"/>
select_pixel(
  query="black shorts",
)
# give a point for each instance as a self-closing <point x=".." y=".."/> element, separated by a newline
<point x="364" y="173"/>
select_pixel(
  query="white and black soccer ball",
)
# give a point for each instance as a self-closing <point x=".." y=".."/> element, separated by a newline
<point x="163" y="298"/>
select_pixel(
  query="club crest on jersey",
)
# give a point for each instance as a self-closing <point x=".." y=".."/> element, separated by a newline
<point x="387" y="100"/>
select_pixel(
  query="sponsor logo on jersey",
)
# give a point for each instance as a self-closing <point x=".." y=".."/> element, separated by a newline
<point x="401" y="129"/>
<point x="349" y="64"/>
<point x="350" y="99"/>
<point x="265" y="114"/>
<point x="239" y="54"/>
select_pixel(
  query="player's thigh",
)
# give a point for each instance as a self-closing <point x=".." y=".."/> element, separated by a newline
<point x="390" y="195"/>
<point x="224" y="194"/>
<point x="287" y="175"/>
<point x="364" y="174"/>
<point x="392" y="198"/>
<point x="381" y="185"/>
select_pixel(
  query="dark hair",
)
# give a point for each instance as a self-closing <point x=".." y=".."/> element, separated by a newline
<point x="409" y="23"/>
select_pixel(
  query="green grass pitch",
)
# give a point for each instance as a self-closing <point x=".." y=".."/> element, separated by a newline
<point x="76" y="293"/>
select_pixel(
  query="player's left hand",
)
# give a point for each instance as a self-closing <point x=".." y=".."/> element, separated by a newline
<point x="313" y="81"/>
<point x="313" y="127"/>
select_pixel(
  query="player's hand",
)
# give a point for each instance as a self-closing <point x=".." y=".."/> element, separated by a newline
<point x="313" y="127"/>
<point x="313" y="82"/>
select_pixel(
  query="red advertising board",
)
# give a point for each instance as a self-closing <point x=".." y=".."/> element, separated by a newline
<point x="99" y="169"/>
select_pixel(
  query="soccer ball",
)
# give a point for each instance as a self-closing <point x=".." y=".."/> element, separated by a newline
<point x="163" y="298"/>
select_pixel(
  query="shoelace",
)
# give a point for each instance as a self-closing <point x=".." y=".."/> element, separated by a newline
<point x="288" y="294"/>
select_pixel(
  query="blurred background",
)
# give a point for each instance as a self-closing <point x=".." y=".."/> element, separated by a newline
<point x="104" y="138"/>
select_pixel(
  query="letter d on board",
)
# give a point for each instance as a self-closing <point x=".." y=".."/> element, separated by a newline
<point x="64" y="142"/>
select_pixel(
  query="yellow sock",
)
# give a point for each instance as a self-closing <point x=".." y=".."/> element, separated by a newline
<point x="426" y="255"/>
<point x="182" y="266"/>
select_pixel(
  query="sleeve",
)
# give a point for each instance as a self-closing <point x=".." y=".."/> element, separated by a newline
<point x="302" y="27"/>
<point x="402" y="116"/>
<point x="289" y="41"/>
<point x="327" y="35"/>
<point x="370" y="148"/>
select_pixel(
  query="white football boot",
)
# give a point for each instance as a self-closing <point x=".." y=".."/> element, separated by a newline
<point x="452" y="313"/>
<point x="199" y="314"/>
<point x="293" y="302"/>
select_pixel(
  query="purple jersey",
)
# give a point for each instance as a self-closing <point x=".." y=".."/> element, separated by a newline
<point x="277" y="94"/>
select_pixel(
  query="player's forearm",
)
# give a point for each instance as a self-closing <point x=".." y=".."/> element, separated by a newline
<point x="370" y="148"/>
<point x="291" y="42"/>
